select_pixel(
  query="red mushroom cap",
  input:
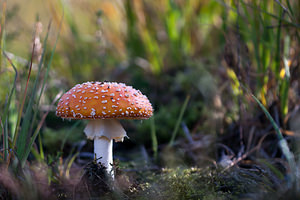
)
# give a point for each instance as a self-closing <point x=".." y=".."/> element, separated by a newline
<point x="104" y="100"/>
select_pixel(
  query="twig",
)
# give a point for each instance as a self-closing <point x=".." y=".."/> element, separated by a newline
<point x="241" y="158"/>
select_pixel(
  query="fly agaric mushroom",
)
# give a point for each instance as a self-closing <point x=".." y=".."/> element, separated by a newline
<point x="103" y="103"/>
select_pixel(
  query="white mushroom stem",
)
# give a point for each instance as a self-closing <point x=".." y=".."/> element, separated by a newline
<point x="103" y="131"/>
<point x="103" y="149"/>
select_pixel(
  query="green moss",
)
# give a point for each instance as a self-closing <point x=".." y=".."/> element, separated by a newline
<point x="198" y="183"/>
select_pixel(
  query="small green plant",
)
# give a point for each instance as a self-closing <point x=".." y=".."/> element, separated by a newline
<point x="18" y="144"/>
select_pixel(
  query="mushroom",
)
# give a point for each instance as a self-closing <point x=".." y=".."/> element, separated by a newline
<point x="103" y="104"/>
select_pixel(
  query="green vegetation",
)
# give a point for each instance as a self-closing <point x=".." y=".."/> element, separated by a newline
<point x="223" y="78"/>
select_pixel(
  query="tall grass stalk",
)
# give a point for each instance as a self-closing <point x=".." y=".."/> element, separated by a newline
<point x="16" y="134"/>
<point x="22" y="140"/>
<point x="183" y="108"/>
<point x="35" y="134"/>
<point x="282" y="143"/>
<point x="153" y="137"/>
<point x="7" y="105"/>
<point x="27" y="150"/>
<point x="37" y="78"/>
<point x="263" y="32"/>
<point x="25" y="132"/>
<point x="2" y="30"/>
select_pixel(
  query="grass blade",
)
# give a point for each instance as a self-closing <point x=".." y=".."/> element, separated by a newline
<point x="36" y="132"/>
<point x="278" y="47"/>
<point x="69" y="165"/>
<point x="15" y="137"/>
<point x="2" y="25"/>
<point x="282" y="142"/>
<point x="285" y="79"/>
<point x="153" y="137"/>
<point x="5" y="116"/>
<point x="179" y="120"/>
<point x="36" y="80"/>
<point x="41" y="148"/>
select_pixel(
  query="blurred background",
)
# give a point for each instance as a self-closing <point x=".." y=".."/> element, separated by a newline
<point x="198" y="62"/>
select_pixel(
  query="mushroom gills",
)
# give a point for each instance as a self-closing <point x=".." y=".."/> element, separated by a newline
<point x="109" y="128"/>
